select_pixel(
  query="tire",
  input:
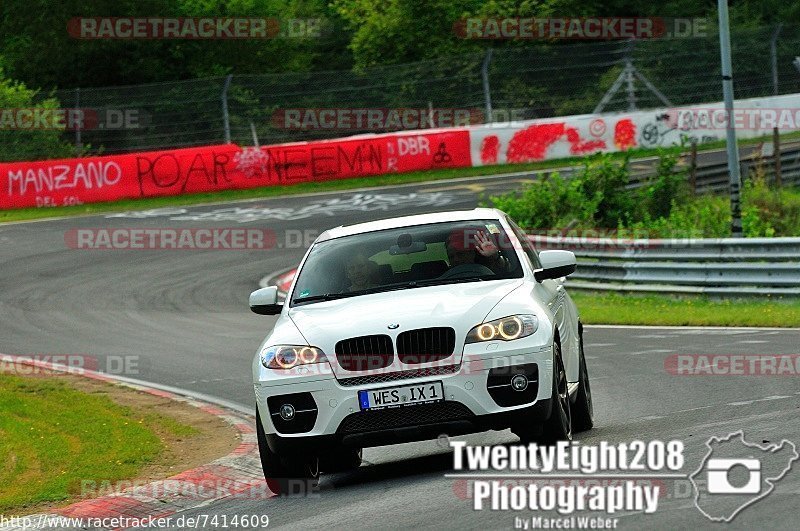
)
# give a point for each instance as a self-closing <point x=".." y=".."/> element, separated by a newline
<point x="285" y="476"/>
<point x="582" y="409"/>
<point x="341" y="459"/>
<point x="558" y="427"/>
<point x="527" y="433"/>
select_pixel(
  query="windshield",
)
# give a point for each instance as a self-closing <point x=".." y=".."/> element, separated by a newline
<point x="405" y="258"/>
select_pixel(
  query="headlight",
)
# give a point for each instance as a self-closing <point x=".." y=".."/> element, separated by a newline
<point x="505" y="329"/>
<point x="290" y="356"/>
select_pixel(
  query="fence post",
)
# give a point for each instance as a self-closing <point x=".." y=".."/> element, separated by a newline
<point x="78" y="123"/>
<point x="732" y="148"/>
<point x="629" y="73"/>
<point x="776" y="153"/>
<point x="226" y="122"/>
<point x="255" y="134"/>
<point x="693" y="167"/>
<point x="773" y="52"/>
<point x="776" y="137"/>
<point x="487" y="95"/>
<point x="630" y="88"/>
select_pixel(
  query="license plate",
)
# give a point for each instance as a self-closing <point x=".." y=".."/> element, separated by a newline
<point x="401" y="396"/>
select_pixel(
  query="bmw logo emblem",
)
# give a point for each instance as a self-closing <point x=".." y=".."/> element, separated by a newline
<point x="394" y="326"/>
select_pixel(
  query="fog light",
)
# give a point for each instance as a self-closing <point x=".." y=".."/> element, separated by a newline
<point x="287" y="410"/>
<point x="519" y="382"/>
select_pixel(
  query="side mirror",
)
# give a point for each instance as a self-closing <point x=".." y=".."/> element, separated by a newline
<point x="264" y="301"/>
<point x="555" y="264"/>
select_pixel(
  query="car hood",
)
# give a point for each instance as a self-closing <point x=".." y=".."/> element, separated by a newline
<point x="460" y="306"/>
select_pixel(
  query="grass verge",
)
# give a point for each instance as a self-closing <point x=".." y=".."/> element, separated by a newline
<point x="613" y="308"/>
<point x="55" y="437"/>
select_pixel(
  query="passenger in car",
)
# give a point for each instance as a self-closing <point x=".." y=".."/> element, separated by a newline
<point x="362" y="273"/>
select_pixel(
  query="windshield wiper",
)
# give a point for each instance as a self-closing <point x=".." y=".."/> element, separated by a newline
<point x="456" y="280"/>
<point x="324" y="297"/>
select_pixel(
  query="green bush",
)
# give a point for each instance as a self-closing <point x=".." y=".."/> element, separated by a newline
<point x="603" y="182"/>
<point x="548" y="203"/>
<point x="705" y="216"/>
<point x="28" y="144"/>
<point x="667" y="189"/>
<point x="768" y="211"/>
<point x="596" y="198"/>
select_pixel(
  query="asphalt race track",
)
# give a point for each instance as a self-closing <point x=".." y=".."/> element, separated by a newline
<point x="181" y="317"/>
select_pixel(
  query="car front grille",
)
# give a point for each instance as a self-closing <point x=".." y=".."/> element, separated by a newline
<point x="402" y="375"/>
<point x="425" y="345"/>
<point x="365" y="353"/>
<point x="386" y="419"/>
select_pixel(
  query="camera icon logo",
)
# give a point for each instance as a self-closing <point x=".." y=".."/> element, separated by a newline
<point x="718" y="481"/>
<point x="735" y="474"/>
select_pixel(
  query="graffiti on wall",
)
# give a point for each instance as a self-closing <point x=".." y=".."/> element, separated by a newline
<point x="663" y="130"/>
<point x="223" y="167"/>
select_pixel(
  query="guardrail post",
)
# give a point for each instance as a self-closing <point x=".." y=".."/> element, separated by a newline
<point x="226" y="122"/>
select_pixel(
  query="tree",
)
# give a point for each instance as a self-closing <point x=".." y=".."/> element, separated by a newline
<point x="27" y="144"/>
<point x="39" y="50"/>
<point x="400" y="31"/>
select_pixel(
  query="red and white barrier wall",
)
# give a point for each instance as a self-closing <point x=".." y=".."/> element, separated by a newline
<point x="228" y="166"/>
<point x="571" y="136"/>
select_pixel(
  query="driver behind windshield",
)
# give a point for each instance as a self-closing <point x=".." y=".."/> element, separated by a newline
<point x="472" y="251"/>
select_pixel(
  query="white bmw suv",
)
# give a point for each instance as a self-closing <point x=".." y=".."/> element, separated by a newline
<point x="408" y="328"/>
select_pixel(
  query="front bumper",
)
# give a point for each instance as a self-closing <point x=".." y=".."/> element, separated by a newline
<point x="472" y="403"/>
<point x="316" y="444"/>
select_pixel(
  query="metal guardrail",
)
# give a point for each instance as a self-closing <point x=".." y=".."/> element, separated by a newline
<point x="711" y="173"/>
<point x="711" y="169"/>
<point x="719" y="267"/>
<point x="727" y="266"/>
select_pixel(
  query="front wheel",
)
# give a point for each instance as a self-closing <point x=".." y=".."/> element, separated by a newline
<point x="341" y="459"/>
<point x="583" y="410"/>
<point x="285" y="475"/>
<point x="559" y="426"/>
